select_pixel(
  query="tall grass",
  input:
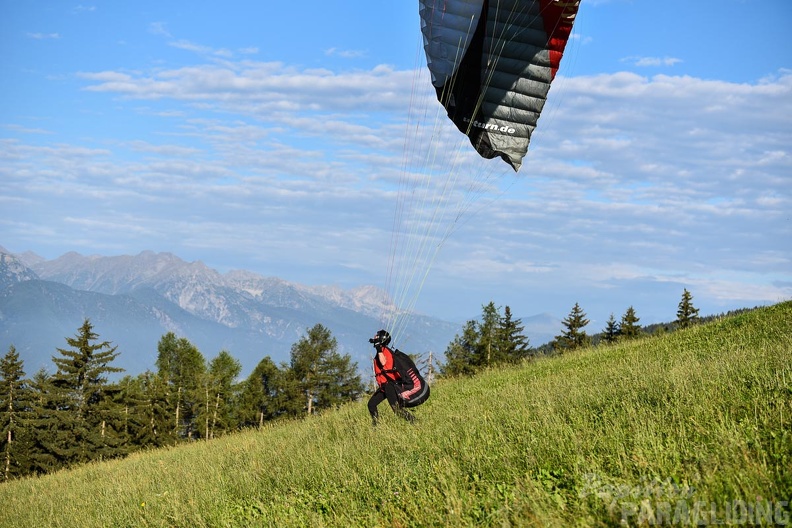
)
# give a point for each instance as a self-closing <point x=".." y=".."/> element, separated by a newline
<point x="602" y="437"/>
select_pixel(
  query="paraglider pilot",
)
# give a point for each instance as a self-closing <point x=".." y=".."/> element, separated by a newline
<point x="388" y="379"/>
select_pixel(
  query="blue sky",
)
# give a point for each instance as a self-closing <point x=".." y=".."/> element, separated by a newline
<point x="272" y="137"/>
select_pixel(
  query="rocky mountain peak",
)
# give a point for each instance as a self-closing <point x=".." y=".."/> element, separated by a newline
<point x="12" y="270"/>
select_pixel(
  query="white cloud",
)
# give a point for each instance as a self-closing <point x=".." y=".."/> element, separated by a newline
<point x="25" y="130"/>
<point x="44" y="36"/>
<point x="651" y="61"/>
<point x="346" y="54"/>
<point x="264" y="87"/>
<point x="630" y="181"/>
<point x="160" y="28"/>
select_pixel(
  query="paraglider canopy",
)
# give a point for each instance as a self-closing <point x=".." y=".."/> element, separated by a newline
<point x="492" y="62"/>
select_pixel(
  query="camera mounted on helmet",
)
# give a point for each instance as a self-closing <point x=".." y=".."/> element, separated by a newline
<point x="381" y="338"/>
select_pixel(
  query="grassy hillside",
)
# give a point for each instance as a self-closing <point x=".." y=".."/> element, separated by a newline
<point x="690" y="426"/>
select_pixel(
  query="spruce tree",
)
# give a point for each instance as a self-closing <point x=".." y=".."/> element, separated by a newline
<point x="687" y="314"/>
<point x="15" y="407"/>
<point x="514" y="342"/>
<point x="611" y="333"/>
<point x="461" y="356"/>
<point x="81" y="403"/>
<point x="629" y="327"/>
<point x="574" y="336"/>
<point x="45" y="436"/>
<point x="495" y="340"/>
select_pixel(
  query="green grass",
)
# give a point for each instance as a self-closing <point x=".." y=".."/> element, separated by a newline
<point x="697" y="416"/>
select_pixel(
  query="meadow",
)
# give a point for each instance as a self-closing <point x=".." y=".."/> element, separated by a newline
<point x="690" y="427"/>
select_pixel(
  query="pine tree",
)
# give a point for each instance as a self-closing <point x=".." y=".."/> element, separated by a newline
<point x="687" y="315"/>
<point x="629" y="327"/>
<point x="319" y="375"/>
<point x="611" y="333"/>
<point x="574" y="336"/>
<point x="490" y="346"/>
<point x="156" y="417"/>
<point x="136" y="425"/>
<point x="81" y="403"/>
<point x="219" y="394"/>
<point x="514" y="342"/>
<point x="182" y="367"/>
<point x="342" y="382"/>
<point x="496" y="340"/>
<point x="262" y="395"/>
<point x="15" y="407"/>
<point x="461" y="357"/>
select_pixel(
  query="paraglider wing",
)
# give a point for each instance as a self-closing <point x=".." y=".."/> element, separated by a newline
<point x="492" y="62"/>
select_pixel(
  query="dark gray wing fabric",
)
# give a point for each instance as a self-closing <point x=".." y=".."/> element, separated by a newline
<point x="492" y="62"/>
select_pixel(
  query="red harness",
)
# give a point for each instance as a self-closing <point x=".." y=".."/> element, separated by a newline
<point x="386" y="372"/>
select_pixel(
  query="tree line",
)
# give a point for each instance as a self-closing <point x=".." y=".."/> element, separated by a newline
<point x="77" y="415"/>
<point x="497" y="338"/>
<point x="574" y="334"/>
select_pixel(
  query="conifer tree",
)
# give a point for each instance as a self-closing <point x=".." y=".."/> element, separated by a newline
<point x="611" y="333"/>
<point x="495" y="340"/>
<point x="514" y="342"/>
<point x="490" y="347"/>
<point x="44" y="435"/>
<point x="629" y="327"/>
<point x="461" y="355"/>
<point x="81" y="406"/>
<point x="319" y="375"/>
<point x="262" y="394"/>
<point x="136" y="425"/>
<point x="112" y="420"/>
<point x="182" y="367"/>
<point x="219" y="394"/>
<point x="687" y="314"/>
<point x="154" y="413"/>
<point x="574" y="336"/>
<point x="15" y="406"/>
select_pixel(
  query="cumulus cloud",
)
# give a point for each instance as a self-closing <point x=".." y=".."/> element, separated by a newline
<point x="263" y="87"/>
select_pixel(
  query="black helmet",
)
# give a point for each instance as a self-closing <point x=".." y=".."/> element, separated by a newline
<point x="381" y="338"/>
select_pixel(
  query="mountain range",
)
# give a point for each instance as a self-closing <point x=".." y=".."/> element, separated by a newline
<point x="132" y="301"/>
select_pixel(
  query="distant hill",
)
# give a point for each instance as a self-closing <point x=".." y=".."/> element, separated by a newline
<point x="541" y="328"/>
<point x="134" y="300"/>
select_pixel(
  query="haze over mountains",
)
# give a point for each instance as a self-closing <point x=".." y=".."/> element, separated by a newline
<point x="133" y="300"/>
